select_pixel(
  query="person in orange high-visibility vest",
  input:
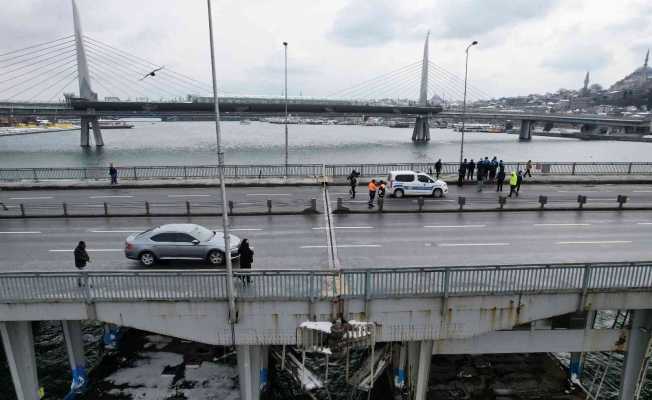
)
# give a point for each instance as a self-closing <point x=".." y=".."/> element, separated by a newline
<point x="372" y="192"/>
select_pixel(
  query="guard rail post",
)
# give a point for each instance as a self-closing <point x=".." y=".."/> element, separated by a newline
<point x="581" y="200"/>
<point x="461" y="201"/>
<point x="187" y="208"/>
<point x="22" y="210"/>
<point x="543" y="200"/>
<point x="185" y="173"/>
<point x="313" y="205"/>
<point x="230" y="206"/>
<point x="147" y="208"/>
<point x="106" y="209"/>
<point x="629" y="169"/>
<point x="269" y="206"/>
<point x="235" y="171"/>
<point x="586" y="279"/>
<point x="501" y="201"/>
<point x="85" y="173"/>
<point x="573" y="170"/>
<point x="420" y="202"/>
<point x="367" y="291"/>
<point x="34" y="174"/>
<point x="135" y="174"/>
<point x="86" y="286"/>
<point x="622" y="199"/>
<point x="340" y="206"/>
<point x="65" y="209"/>
<point x="446" y="289"/>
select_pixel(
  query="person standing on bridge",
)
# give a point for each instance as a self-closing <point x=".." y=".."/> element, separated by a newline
<point x="500" y="179"/>
<point x="438" y="167"/>
<point x="246" y="259"/>
<point x="513" y="181"/>
<point x="470" y="167"/>
<point x="81" y="258"/>
<point x="372" y="192"/>
<point x="353" y="182"/>
<point x="519" y="180"/>
<point x="113" y="173"/>
<point x="461" y="173"/>
<point x="528" y="169"/>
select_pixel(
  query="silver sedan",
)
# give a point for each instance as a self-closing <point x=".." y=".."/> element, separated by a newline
<point x="179" y="241"/>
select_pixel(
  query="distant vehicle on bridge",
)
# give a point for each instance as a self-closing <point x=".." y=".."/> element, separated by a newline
<point x="406" y="183"/>
<point x="179" y="241"/>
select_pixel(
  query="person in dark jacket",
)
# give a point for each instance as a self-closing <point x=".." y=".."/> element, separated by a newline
<point x="519" y="180"/>
<point x="500" y="179"/>
<point x="461" y="173"/>
<point x="438" y="167"/>
<point x="113" y="172"/>
<point x="353" y="182"/>
<point x="81" y="258"/>
<point x="481" y="167"/>
<point x="470" y="167"/>
<point x="246" y="259"/>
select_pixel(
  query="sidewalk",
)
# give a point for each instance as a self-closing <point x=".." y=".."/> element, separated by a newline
<point x="294" y="181"/>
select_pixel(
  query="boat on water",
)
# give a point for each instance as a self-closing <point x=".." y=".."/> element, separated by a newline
<point x="114" y="124"/>
<point x="398" y="124"/>
<point x="477" y="127"/>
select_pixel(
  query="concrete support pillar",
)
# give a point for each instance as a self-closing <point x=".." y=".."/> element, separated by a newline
<point x="97" y="133"/>
<point x="588" y="128"/>
<point x="18" y="343"/>
<point x="575" y="366"/>
<point x="85" y="139"/>
<point x="639" y="338"/>
<point x="74" y="338"/>
<point x="252" y="370"/>
<point x="399" y="358"/>
<point x="526" y="130"/>
<point x="421" y="132"/>
<point x="425" y="355"/>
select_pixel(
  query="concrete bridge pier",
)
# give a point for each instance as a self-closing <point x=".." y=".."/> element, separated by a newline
<point x="413" y="368"/>
<point x="18" y="343"/>
<point x="421" y="132"/>
<point x="252" y="370"/>
<point x="526" y="130"/>
<point x="639" y="339"/>
<point x="86" y="124"/>
<point x="73" y="335"/>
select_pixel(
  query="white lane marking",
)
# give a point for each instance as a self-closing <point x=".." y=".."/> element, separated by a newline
<point x="454" y="226"/>
<point x="94" y="250"/>
<point x="23" y="232"/>
<point x="111" y="197"/>
<point x="340" y="245"/>
<point x="644" y="223"/>
<point x="351" y="201"/>
<point x="345" y="227"/>
<point x="246" y="229"/>
<point x="189" y="195"/>
<point x="31" y="198"/>
<point x="126" y="231"/>
<point x="471" y="244"/>
<point x="562" y="224"/>
<point x="268" y="194"/>
<point x="583" y="191"/>
<point x="642" y="191"/>
<point x="435" y="200"/>
<point x="598" y="242"/>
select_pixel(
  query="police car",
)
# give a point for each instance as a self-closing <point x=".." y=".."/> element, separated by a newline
<point x="410" y="183"/>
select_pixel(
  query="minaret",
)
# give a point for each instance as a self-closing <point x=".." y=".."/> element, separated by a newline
<point x="647" y="58"/>
<point x="586" y="82"/>
<point x="423" y="93"/>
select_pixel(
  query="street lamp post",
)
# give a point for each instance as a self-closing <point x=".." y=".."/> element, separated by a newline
<point x="285" y="46"/>
<point x="220" y="162"/>
<point x="466" y="70"/>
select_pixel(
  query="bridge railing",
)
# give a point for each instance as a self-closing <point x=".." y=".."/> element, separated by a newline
<point x="307" y="170"/>
<point x="207" y="285"/>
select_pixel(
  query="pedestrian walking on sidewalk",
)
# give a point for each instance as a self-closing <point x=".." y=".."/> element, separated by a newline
<point x="519" y="180"/>
<point x="470" y="167"/>
<point x="353" y="182"/>
<point x="381" y="194"/>
<point x="500" y="179"/>
<point x="528" y="169"/>
<point x="461" y="173"/>
<point x="513" y="180"/>
<point x="113" y="173"/>
<point x="81" y="258"/>
<point x="246" y="259"/>
<point x="372" y="192"/>
<point x="438" y="167"/>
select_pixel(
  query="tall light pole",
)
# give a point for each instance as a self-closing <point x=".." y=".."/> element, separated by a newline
<point x="230" y="290"/>
<point x="285" y="46"/>
<point x="466" y="71"/>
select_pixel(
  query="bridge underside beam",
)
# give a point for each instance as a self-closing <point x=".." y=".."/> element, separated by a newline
<point x="19" y="348"/>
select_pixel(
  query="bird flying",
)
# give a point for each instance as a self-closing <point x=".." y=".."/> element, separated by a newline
<point x="152" y="73"/>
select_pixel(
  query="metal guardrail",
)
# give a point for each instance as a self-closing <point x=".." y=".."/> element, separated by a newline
<point x="307" y="170"/>
<point x="204" y="285"/>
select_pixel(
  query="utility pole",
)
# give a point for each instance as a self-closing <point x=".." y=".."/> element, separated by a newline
<point x="285" y="46"/>
<point x="466" y="70"/>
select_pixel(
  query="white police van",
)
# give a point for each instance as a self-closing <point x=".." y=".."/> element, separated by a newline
<point x="410" y="183"/>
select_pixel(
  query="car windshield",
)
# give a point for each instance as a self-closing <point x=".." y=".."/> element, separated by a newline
<point x="201" y="233"/>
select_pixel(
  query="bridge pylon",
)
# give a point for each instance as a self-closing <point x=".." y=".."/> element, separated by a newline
<point x="421" y="132"/>
<point x="85" y="90"/>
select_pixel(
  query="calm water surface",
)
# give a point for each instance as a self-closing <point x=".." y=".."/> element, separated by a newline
<point x="179" y="143"/>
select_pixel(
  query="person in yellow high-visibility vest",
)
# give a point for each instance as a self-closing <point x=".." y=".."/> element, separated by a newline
<point x="513" y="181"/>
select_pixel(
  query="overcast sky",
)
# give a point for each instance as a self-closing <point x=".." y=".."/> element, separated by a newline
<point x="526" y="46"/>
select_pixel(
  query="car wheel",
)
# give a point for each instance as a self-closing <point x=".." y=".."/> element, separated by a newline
<point x="147" y="258"/>
<point x="216" y="257"/>
<point x="438" y="193"/>
<point x="398" y="193"/>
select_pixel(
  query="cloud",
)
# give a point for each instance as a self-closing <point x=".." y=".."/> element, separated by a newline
<point x="578" y="57"/>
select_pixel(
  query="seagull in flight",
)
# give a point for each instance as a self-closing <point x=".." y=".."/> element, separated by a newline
<point x="152" y="73"/>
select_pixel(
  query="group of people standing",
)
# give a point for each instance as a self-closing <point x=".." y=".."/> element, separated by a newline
<point x="491" y="171"/>
<point x="376" y="188"/>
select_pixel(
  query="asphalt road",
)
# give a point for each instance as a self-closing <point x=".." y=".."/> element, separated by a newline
<point x="367" y="240"/>
<point x="297" y="198"/>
